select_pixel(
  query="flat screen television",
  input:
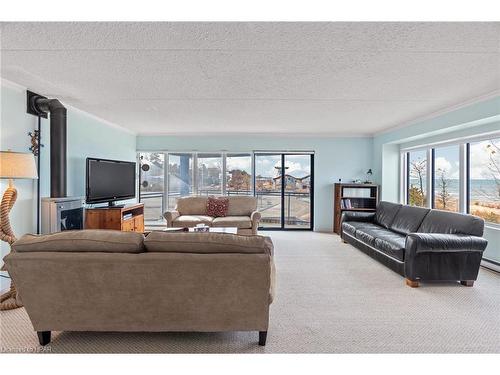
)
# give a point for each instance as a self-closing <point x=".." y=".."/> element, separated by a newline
<point x="109" y="180"/>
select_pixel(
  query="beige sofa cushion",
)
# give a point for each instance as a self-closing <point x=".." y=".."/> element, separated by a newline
<point x="243" y="222"/>
<point x="242" y="205"/>
<point x="89" y="240"/>
<point x="192" y="220"/>
<point x="192" y="205"/>
<point x="207" y="243"/>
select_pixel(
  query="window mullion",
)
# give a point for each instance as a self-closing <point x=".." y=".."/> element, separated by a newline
<point x="165" y="205"/>
<point x="194" y="174"/>
<point x="462" y="178"/>
<point x="430" y="178"/>
<point x="403" y="185"/>
<point x="224" y="173"/>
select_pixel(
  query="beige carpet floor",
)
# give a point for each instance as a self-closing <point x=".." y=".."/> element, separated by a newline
<point x="331" y="298"/>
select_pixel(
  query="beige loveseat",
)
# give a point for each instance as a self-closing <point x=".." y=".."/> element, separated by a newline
<point x="190" y="211"/>
<point x="106" y="280"/>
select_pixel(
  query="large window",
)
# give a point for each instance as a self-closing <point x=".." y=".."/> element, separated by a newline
<point x="238" y="174"/>
<point x="464" y="177"/>
<point x="167" y="176"/>
<point x="152" y="184"/>
<point x="484" y="179"/>
<point x="446" y="168"/>
<point x="180" y="177"/>
<point x="417" y="178"/>
<point x="209" y="174"/>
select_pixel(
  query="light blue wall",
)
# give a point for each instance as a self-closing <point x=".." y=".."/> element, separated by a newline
<point x="472" y="120"/>
<point x="87" y="136"/>
<point x="345" y="158"/>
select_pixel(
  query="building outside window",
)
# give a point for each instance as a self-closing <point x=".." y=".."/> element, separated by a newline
<point x="239" y="174"/>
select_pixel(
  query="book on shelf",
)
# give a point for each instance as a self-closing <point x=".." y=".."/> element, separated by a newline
<point x="345" y="203"/>
<point x="358" y="192"/>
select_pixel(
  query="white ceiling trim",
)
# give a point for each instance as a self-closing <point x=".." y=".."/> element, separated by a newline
<point x="477" y="99"/>
<point x="101" y="120"/>
<point x="260" y="134"/>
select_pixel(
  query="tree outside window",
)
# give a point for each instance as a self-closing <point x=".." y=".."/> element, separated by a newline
<point x="417" y="178"/>
<point x="446" y="178"/>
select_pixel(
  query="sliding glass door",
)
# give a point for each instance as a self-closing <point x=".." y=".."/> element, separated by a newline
<point x="284" y="189"/>
<point x="268" y="192"/>
<point x="298" y="193"/>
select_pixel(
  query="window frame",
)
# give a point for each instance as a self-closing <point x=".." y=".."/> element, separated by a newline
<point x="464" y="171"/>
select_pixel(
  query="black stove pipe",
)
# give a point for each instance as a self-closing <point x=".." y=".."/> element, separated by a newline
<point x="58" y="157"/>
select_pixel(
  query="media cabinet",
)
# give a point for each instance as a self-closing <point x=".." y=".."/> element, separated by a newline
<point x="128" y="218"/>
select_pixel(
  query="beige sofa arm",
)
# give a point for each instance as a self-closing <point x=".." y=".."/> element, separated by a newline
<point x="255" y="217"/>
<point x="170" y="216"/>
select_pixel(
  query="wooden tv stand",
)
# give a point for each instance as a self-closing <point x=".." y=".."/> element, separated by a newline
<point x="116" y="218"/>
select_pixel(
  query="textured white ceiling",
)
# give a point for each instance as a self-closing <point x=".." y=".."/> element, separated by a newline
<point x="315" y="78"/>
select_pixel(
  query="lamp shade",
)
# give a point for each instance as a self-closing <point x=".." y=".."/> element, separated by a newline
<point x="17" y="165"/>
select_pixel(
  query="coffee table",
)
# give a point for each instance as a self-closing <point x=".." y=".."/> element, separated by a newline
<point x="231" y="230"/>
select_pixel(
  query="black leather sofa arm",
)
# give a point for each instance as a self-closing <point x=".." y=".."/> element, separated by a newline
<point x="443" y="243"/>
<point x="367" y="217"/>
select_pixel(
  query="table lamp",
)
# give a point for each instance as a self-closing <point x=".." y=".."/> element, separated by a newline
<point x="13" y="165"/>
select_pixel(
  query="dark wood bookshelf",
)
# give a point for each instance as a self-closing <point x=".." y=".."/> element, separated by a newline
<point x="353" y="197"/>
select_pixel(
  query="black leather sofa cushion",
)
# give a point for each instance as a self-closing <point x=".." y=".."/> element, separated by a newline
<point x="369" y="233"/>
<point x="438" y="221"/>
<point x="386" y="212"/>
<point x="442" y="243"/>
<point x="350" y="227"/>
<point x="408" y="219"/>
<point x="392" y="244"/>
<point x="358" y="216"/>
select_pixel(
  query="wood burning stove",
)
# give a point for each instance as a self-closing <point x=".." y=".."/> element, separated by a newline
<point x="60" y="214"/>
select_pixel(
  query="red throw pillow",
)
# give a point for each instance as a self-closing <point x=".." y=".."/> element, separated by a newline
<point x="217" y="207"/>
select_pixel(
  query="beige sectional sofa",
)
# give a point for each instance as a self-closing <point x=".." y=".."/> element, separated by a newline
<point x="242" y="214"/>
<point x="105" y="280"/>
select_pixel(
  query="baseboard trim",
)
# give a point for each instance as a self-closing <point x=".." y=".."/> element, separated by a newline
<point x="492" y="266"/>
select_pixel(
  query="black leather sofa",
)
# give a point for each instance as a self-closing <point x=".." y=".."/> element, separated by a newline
<point x="419" y="243"/>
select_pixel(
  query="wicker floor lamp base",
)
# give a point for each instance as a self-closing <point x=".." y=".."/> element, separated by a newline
<point x="9" y="300"/>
